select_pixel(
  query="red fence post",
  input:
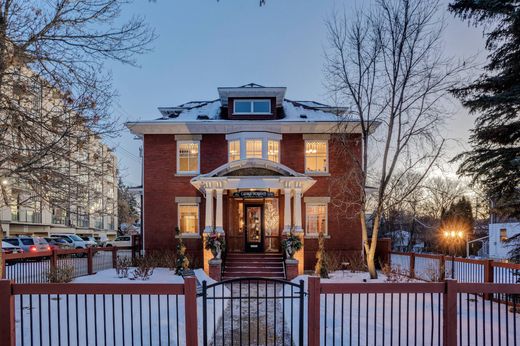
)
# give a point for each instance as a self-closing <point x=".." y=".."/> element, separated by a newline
<point x="488" y="275"/>
<point x="2" y="266"/>
<point x="90" y="261"/>
<point x="450" y="313"/>
<point x="114" y="257"/>
<point x="7" y="326"/>
<point x="412" y="265"/>
<point x="313" y="311"/>
<point x="190" y="311"/>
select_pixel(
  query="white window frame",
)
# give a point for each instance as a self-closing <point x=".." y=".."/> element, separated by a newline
<point x="252" y="107"/>
<point x="277" y="154"/>
<point x="239" y="149"/>
<point x="188" y="235"/>
<point x="262" y="146"/>
<point x="326" y="172"/>
<point x="265" y="137"/>
<point x="179" y="172"/>
<point x="315" y="235"/>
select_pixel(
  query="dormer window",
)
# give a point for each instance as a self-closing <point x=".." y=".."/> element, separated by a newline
<point x="256" y="106"/>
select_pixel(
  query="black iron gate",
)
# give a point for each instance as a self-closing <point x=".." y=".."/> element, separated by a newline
<point x="253" y="311"/>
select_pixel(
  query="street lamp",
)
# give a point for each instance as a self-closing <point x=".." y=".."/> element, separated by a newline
<point x="453" y="238"/>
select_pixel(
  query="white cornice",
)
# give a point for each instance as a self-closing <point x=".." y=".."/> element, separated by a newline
<point x="232" y="126"/>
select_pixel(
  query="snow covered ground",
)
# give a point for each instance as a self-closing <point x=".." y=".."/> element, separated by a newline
<point x="106" y="319"/>
<point x="377" y="319"/>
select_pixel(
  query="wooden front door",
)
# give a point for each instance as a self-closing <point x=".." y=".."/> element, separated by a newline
<point x="254" y="222"/>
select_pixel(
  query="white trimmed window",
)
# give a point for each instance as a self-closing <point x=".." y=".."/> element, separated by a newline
<point x="316" y="156"/>
<point x="253" y="149"/>
<point x="315" y="218"/>
<point x="188" y="158"/>
<point x="252" y="106"/>
<point x="273" y="151"/>
<point x="234" y="150"/>
<point x="188" y="218"/>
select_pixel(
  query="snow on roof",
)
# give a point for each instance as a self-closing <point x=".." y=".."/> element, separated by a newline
<point x="211" y="110"/>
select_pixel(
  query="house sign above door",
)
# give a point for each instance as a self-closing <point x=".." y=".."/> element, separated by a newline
<point x="253" y="194"/>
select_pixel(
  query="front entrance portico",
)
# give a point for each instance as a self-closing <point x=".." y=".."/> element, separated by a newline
<point x="231" y="182"/>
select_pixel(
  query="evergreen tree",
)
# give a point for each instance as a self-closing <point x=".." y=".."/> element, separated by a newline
<point x="322" y="265"/>
<point x="494" y="159"/>
<point x="127" y="210"/>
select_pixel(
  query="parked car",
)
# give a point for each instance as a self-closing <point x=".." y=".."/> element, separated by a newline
<point x="10" y="248"/>
<point x="75" y="241"/>
<point x="58" y="243"/>
<point x="90" y="241"/>
<point x="29" y="244"/>
<point x="123" y="241"/>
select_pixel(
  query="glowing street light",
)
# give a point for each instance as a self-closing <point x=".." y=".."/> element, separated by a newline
<point x="453" y="238"/>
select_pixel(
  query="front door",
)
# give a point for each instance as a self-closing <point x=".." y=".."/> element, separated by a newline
<point x="254" y="227"/>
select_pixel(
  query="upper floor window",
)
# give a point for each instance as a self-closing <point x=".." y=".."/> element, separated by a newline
<point x="252" y="107"/>
<point x="188" y="157"/>
<point x="234" y="150"/>
<point x="253" y="149"/>
<point x="273" y="151"/>
<point x="316" y="156"/>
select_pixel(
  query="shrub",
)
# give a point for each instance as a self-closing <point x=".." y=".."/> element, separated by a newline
<point x="61" y="274"/>
<point x="396" y="274"/>
<point x="122" y="266"/>
<point x="356" y="263"/>
<point x="144" y="269"/>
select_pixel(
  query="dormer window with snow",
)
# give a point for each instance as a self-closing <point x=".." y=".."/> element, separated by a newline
<point x="252" y="107"/>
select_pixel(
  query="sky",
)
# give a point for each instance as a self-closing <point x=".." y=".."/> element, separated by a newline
<point x="204" y="44"/>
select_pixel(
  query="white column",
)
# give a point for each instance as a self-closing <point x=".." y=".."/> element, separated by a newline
<point x="298" y="210"/>
<point x="287" y="212"/>
<point x="218" y="216"/>
<point x="209" y="211"/>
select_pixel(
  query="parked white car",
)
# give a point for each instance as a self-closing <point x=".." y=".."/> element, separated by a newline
<point x="123" y="241"/>
<point x="74" y="240"/>
<point x="90" y="241"/>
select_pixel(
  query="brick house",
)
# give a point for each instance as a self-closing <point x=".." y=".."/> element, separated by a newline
<point x="252" y="165"/>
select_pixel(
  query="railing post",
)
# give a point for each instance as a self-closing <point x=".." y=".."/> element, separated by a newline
<point x="450" y="313"/>
<point x="488" y="275"/>
<point x="190" y="311"/>
<point x="90" y="261"/>
<point x="313" y="311"/>
<point x="412" y="265"/>
<point x="7" y="326"/>
<point x="114" y="257"/>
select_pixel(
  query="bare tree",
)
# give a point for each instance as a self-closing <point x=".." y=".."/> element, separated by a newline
<point x="55" y="96"/>
<point x="387" y="65"/>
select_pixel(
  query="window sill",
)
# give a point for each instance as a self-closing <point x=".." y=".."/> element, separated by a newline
<point x="318" y="174"/>
<point x="187" y="174"/>
<point x="188" y="236"/>
<point x="312" y="236"/>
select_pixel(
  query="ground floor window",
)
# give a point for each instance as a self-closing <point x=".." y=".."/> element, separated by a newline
<point x="188" y="218"/>
<point x="316" y="219"/>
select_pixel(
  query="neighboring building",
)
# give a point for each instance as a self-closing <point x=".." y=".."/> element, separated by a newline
<point x="96" y="215"/>
<point x="87" y="203"/>
<point x="500" y="230"/>
<point x="252" y="165"/>
<point x="499" y="233"/>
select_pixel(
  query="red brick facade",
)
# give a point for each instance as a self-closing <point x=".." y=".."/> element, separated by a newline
<point x="162" y="185"/>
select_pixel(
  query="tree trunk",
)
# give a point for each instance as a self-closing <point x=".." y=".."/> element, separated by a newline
<point x="371" y="264"/>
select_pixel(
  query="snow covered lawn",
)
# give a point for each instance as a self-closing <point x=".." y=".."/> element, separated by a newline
<point x="106" y="319"/>
<point x="376" y="319"/>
